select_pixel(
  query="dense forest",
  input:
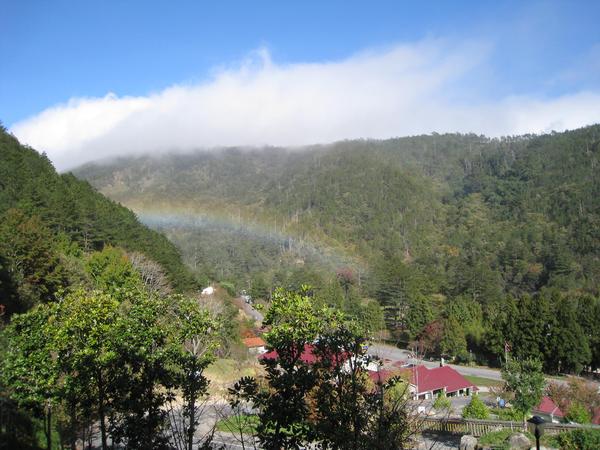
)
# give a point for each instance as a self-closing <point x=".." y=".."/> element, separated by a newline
<point x="47" y="217"/>
<point x="104" y="341"/>
<point x="96" y="311"/>
<point x="457" y="246"/>
<point x="471" y="245"/>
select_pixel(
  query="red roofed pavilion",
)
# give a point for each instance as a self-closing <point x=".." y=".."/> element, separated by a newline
<point x="549" y="410"/>
<point x="308" y="356"/>
<point x="428" y="383"/>
<point x="381" y="376"/>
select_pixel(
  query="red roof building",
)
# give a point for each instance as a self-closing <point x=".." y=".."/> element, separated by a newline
<point x="252" y="342"/>
<point x="429" y="383"/>
<point x="255" y="345"/>
<point x="307" y="356"/>
<point x="382" y="376"/>
<point x="549" y="409"/>
<point x="596" y="418"/>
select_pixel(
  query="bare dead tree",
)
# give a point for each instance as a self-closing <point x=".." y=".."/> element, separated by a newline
<point x="238" y="423"/>
<point x="178" y="420"/>
<point x="153" y="275"/>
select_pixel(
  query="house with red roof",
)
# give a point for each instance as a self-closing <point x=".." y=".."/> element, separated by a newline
<point x="549" y="410"/>
<point x="308" y="356"/>
<point x="381" y="376"/>
<point x="429" y="383"/>
<point x="255" y="345"/>
<point x="596" y="418"/>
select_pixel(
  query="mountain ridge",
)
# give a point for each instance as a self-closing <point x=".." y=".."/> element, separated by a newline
<point x="368" y="196"/>
<point x="72" y="207"/>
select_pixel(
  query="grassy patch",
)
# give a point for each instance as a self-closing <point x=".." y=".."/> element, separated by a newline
<point x="224" y="372"/>
<point x="481" y="381"/>
<point x="498" y="439"/>
<point x="228" y="370"/>
<point x="507" y="414"/>
<point x="245" y="424"/>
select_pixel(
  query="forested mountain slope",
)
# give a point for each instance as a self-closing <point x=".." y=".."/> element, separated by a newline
<point x="467" y="242"/>
<point x="357" y="198"/>
<point x="529" y="204"/>
<point x="36" y="203"/>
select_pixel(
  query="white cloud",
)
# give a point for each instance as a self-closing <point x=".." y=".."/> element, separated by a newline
<point x="407" y="89"/>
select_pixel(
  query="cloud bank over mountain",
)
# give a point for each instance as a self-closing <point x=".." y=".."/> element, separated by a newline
<point x="408" y="89"/>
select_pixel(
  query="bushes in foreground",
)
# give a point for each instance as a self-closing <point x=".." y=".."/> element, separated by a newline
<point x="578" y="440"/>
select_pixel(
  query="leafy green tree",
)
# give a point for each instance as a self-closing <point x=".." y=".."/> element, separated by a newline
<point x="31" y="262"/>
<point x="402" y="291"/>
<point x="498" y="327"/>
<point x="8" y="291"/>
<point x="349" y="412"/>
<point x="146" y="383"/>
<point x="420" y="313"/>
<point x="578" y="413"/>
<point x="94" y="358"/>
<point x="195" y="338"/>
<point x="340" y="400"/>
<point x="442" y="402"/>
<point x="468" y="312"/>
<point x="283" y="409"/>
<point x="259" y="289"/>
<point x="569" y="349"/>
<point x="525" y="379"/>
<point x="371" y="316"/>
<point x="28" y="370"/>
<point x="476" y="409"/>
<point x="588" y="316"/>
<point x="329" y="399"/>
<point x="112" y="272"/>
<point x="529" y="327"/>
<point x="453" y="342"/>
<point x="82" y="333"/>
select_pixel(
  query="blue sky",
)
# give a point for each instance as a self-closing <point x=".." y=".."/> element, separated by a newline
<point x="58" y="52"/>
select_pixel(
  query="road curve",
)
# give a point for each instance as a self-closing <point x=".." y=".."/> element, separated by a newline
<point x="249" y="310"/>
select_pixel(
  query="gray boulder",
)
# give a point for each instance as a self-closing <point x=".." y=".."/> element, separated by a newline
<point x="518" y="441"/>
<point x="468" y="442"/>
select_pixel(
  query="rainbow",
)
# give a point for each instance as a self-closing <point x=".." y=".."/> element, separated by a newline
<point x="191" y="219"/>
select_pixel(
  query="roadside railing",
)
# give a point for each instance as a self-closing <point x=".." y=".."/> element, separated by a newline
<point x="477" y="427"/>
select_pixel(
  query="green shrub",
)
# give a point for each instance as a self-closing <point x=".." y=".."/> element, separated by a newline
<point x="476" y="409"/>
<point x="442" y="402"/>
<point x="579" y="440"/>
<point x="499" y="439"/>
<point x="578" y="413"/>
<point x="508" y="414"/>
<point x="495" y="438"/>
<point x="242" y="423"/>
<point x="229" y="287"/>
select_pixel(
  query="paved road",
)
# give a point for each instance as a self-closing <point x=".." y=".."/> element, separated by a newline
<point x="393" y="353"/>
<point x="249" y="310"/>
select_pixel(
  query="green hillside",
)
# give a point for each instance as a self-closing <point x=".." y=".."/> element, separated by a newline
<point x="446" y="231"/>
<point x="63" y="213"/>
<point x="419" y="198"/>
